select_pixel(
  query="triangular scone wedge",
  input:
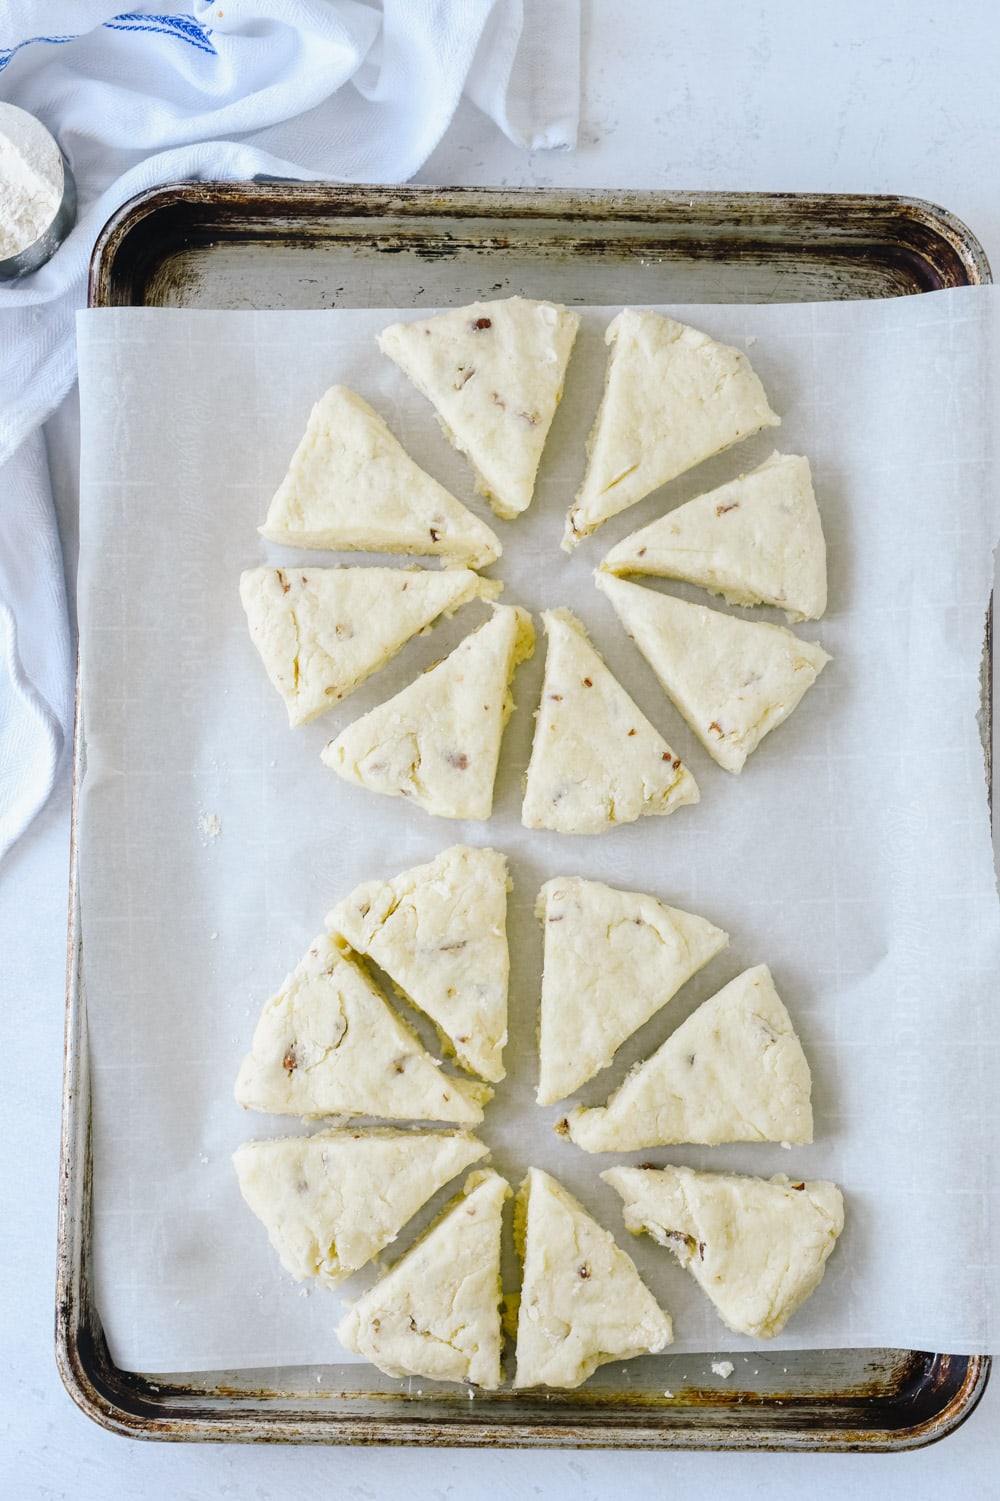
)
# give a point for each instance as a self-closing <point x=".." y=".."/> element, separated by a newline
<point x="352" y="487"/>
<point x="596" y="761"/>
<point x="672" y="398"/>
<point x="322" y="631"/>
<point x="756" y="1247"/>
<point x="758" y="540"/>
<point x="612" y="959"/>
<point x="437" y="1312"/>
<point x="329" y="1044"/>
<point x="332" y="1201"/>
<point x="582" y="1301"/>
<point x="733" y="680"/>
<point x="439" y="933"/>
<point x="734" y="1071"/>
<point x="438" y="741"/>
<point x="494" y="372"/>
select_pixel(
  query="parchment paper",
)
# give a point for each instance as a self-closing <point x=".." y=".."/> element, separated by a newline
<point x="853" y="854"/>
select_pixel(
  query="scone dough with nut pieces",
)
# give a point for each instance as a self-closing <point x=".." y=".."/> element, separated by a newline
<point x="734" y="1071"/>
<point x="612" y="960"/>
<point x="352" y="487"/>
<point x="494" y="373"/>
<point x="439" y="932"/>
<point x="321" y="632"/>
<point x="582" y="1301"/>
<point x="673" y="397"/>
<point x="757" y="1247"/>
<point x="437" y="742"/>
<point x="328" y="1043"/>
<point x="332" y="1201"/>
<point x="758" y="540"/>
<point x="436" y="1313"/>
<point x="596" y="761"/>
<point x="733" y="680"/>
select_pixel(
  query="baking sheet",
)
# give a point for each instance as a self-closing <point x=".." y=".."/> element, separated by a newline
<point x="852" y="855"/>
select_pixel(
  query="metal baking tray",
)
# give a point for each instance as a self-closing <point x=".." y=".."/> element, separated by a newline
<point x="280" y="245"/>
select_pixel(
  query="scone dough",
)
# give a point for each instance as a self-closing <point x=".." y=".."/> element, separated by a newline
<point x="734" y="1071"/>
<point x="596" y="761"/>
<point x="332" y="1201"/>
<point x="582" y="1301"/>
<point x="494" y="372"/>
<point x="758" y="540"/>
<point x="352" y="487"/>
<point x="438" y="741"/>
<point x="612" y="959"/>
<point x="672" y="398"/>
<point x="733" y="680"/>
<point x="321" y="632"/>
<point x="439" y="933"/>
<point x="757" y="1247"/>
<point x="437" y="1312"/>
<point x="329" y="1044"/>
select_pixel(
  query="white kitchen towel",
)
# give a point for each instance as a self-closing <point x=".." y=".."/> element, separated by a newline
<point x="36" y="701"/>
<point x="335" y="89"/>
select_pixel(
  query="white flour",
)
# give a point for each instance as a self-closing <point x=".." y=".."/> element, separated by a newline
<point x="31" y="180"/>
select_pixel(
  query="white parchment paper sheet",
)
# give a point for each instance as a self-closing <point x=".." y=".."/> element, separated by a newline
<point x="853" y="854"/>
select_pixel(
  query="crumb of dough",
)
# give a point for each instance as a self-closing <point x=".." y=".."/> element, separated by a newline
<point x="209" y="826"/>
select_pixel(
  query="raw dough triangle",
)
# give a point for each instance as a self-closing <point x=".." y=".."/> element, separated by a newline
<point x="439" y="933"/>
<point x="322" y="631"/>
<point x="437" y="1312"/>
<point x="352" y="487"/>
<point x="582" y="1301"/>
<point x="494" y="372"/>
<point x="734" y="1071"/>
<point x="733" y="680"/>
<point x="756" y="1247"/>
<point x="757" y="540"/>
<point x="438" y="741"/>
<point x="596" y="760"/>
<point x="612" y="959"/>
<point x="332" y="1201"/>
<point x="672" y="398"/>
<point x="328" y="1044"/>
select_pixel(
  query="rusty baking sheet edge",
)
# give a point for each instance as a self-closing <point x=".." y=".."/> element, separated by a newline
<point x="926" y="243"/>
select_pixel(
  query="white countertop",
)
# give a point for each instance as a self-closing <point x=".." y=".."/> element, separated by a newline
<point x="897" y="97"/>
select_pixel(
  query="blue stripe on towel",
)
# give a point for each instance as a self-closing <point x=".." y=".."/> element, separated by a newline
<point x="184" y="28"/>
<point x="6" y="53"/>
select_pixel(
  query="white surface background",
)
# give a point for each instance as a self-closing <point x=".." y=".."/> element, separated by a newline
<point x="855" y="97"/>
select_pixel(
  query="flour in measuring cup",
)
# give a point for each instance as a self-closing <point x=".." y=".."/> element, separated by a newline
<point x="31" y="180"/>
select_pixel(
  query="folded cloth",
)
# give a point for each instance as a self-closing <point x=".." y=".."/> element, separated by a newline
<point x="35" y="684"/>
<point x="334" y="89"/>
